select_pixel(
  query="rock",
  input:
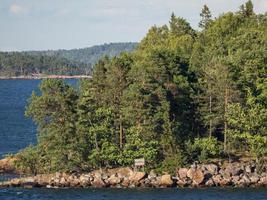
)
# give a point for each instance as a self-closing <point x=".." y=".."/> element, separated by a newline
<point x="248" y="169"/>
<point x="225" y="182"/>
<point x="210" y="183"/>
<point x="198" y="177"/>
<point x="212" y="168"/>
<point x="85" y="180"/>
<point x="235" y="180"/>
<point x="137" y="176"/>
<point x="207" y="175"/>
<point x="74" y="181"/>
<point x="57" y="175"/>
<point x="121" y="172"/>
<point x="190" y="173"/>
<point x="156" y="182"/>
<point x="254" y="178"/>
<point x="217" y="179"/>
<point x="232" y="170"/>
<point x="152" y="175"/>
<point x="63" y="182"/>
<point x="114" y="180"/>
<point x="263" y="181"/>
<point x="15" y="182"/>
<point x="43" y="180"/>
<point x="28" y="182"/>
<point x="98" y="183"/>
<point x="126" y="182"/>
<point x="166" y="180"/>
<point x="182" y="183"/>
<point x="182" y="173"/>
<point x="7" y="165"/>
<point x="246" y="179"/>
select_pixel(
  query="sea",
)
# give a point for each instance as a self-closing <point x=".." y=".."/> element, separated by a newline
<point x="17" y="132"/>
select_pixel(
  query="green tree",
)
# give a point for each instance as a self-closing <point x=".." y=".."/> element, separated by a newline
<point x="205" y="17"/>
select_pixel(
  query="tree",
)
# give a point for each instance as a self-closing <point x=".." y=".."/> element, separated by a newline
<point x="205" y="17"/>
<point x="179" y="26"/>
<point x="54" y="113"/>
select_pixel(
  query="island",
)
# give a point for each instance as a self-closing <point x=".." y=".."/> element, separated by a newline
<point x="191" y="103"/>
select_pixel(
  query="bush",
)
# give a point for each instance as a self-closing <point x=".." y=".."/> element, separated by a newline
<point x="202" y="149"/>
<point x="27" y="160"/>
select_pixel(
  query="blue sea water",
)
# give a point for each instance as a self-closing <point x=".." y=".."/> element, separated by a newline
<point x="17" y="132"/>
<point x="133" y="194"/>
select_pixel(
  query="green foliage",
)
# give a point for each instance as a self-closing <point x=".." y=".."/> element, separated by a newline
<point x="136" y="147"/>
<point x="203" y="148"/>
<point x="160" y="101"/>
<point x="28" y="160"/>
<point x="59" y="62"/>
<point x="20" y="63"/>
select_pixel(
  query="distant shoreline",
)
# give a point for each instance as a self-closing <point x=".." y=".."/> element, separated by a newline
<point x="45" y="77"/>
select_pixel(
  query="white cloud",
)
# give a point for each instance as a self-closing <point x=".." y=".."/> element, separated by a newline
<point x="16" y="9"/>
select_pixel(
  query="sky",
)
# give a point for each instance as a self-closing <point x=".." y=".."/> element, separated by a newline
<point x="68" y="24"/>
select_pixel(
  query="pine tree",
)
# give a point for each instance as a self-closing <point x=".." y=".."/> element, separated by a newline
<point x="205" y="17"/>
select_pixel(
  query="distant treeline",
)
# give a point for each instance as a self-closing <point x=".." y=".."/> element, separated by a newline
<point x="92" y="54"/>
<point x="60" y="62"/>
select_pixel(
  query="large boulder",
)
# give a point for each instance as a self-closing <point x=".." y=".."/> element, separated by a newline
<point x="121" y="172"/>
<point x="166" y="180"/>
<point x="137" y="176"/>
<point x="190" y="173"/>
<point x="254" y="178"/>
<point x="211" y="168"/>
<point x="84" y="180"/>
<point x="210" y="183"/>
<point x="7" y="165"/>
<point x="28" y="182"/>
<point x="114" y="180"/>
<point x="98" y="183"/>
<point x="196" y="175"/>
<point x="15" y="182"/>
<point x="233" y="170"/>
<point x="217" y="179"/>
<point x="263" y="181"/>
<point x="182" y="173"/>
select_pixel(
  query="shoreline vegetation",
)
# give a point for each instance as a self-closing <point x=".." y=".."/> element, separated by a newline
<point x="182" y="96"/>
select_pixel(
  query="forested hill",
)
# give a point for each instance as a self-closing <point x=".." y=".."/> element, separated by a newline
<point x="59" y="62"/>
<point x="92" y="54"/>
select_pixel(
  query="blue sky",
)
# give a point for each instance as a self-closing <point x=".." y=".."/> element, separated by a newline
<point x="67" y="24"/>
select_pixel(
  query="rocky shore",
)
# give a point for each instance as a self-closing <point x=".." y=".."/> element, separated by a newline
<point x="209" y="175"/>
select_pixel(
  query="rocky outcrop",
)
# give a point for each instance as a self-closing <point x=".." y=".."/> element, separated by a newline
<point x="230" y="174"/>
<point x="7" y="165"/>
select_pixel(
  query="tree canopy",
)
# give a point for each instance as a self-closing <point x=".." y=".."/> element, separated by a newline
<point x="182" y="95"/>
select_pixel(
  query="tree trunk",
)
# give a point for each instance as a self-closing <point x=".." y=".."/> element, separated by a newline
<point x="210" y="117"/>
<point x="121" y="133"/>
<point x="225" y="122"/>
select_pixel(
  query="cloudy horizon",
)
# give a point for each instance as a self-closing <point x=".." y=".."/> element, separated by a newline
<point x="68" y="24"/>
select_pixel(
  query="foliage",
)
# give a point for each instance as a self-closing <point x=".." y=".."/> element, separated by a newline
<point x="59" y="62"/>
<point x="203" y="148"/>
<point x="173" y="100"/>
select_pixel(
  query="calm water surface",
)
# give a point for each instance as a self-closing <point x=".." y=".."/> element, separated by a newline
<point x="17" y="132"/>
<point x="134" y="194"/>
